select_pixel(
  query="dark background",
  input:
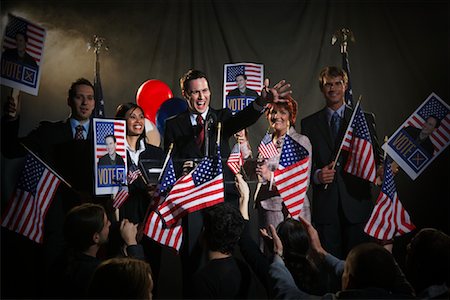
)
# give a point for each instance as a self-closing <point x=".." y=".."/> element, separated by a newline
<point x="401" y="55"/>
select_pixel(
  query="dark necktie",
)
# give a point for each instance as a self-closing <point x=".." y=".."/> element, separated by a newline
<point x="201" y="132"/>
<point x="79" y="132"/>
<point x="334" y="125"/>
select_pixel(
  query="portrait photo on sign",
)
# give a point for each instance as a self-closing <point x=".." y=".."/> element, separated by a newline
<point x="110" y="156"/>
<point x="242" y="84"/>
<point x="422" y="137"/>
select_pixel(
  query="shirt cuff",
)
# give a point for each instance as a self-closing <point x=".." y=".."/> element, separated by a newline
<point x="258" y="107"/>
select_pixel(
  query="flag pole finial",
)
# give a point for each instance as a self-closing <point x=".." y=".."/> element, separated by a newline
<point x="345" y="35"/>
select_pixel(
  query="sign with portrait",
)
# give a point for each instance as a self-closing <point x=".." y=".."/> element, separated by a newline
<point x="422" y="137"/>
<point x="110" y="155"/>
<point x="242" y="84"/>
<point x="23" y="49"/>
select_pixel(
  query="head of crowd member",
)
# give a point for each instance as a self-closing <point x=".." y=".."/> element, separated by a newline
<point x="133" y="114"/>
<point x="121" y="278"/>
<point x="85" y="226"/>
<point x="241" y="81"/>
<point x="282" y="115"/>
<point x="428" y="259"/>
<point x="333" y="82"/>
<point x="195" y="89"/>
<point x="81" y="100"/>
<point x="223" y="226"/>
<point x="21" y="43"/>
<point x="111" y="144"/>
<point x="430" y="125"/>
<point x="296" y="246"/>
<point x="369" y="265"/>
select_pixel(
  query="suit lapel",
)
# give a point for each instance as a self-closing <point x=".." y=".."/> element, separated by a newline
<point x="324" y="127"/>
<point x="185" y="126"/>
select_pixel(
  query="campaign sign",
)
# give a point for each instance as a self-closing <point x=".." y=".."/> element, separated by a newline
<point x="422" y="137"/>
<point x="242" y="84"/>
<point x="23" y="48"/>
<point x="110" y="155"/>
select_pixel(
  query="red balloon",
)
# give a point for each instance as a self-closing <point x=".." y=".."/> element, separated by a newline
<point x="150" y="95"/>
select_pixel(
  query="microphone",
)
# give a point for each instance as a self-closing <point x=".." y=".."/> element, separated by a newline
<point x="210" y="120"/>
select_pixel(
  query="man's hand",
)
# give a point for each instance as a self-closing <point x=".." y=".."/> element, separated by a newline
<point x="275" y="94"/>
<point x="326" y="174"/>
<point x="12" y="106"/>
<point x="128" y="232"/>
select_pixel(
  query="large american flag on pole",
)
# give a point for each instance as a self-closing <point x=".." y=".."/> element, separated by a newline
<point x="235" y="160"/>
<point x="433" y="107"/>
<point x="357" y="140"/>
<point x="200" y="188"/>
<point x="349" y="90"/>
<point x="292" y="176"/>
<point x="33" y="196"/>
<point x="36" y="36"/>
<point x="154" y="226"/>
<point x="267" y="148"/>
<point x="388" y="217"/>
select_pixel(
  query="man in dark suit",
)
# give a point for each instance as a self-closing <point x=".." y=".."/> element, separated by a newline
<point x="193" y="134"/>
<point x="67" y="147"/>
<point x="340" y="210"/>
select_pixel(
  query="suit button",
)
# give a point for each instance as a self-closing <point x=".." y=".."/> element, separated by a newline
<point x="338" y="164"/>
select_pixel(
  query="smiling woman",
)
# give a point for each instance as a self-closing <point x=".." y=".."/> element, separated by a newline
<point x="271" y="209"/>
<point x="140" y="191"/>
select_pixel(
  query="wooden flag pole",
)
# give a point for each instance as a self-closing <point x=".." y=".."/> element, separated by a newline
<point x="47" y="166"/>
<point x="343" y="139"/>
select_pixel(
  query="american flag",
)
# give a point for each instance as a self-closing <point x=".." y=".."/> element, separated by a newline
<point x="28" y="206"/>
<point x="388" y="217"/>
<point x="348" y="91"/>
<point x="121" y="196"/>
<point x="98" y="94"/>
<point x="267" y="148"/>
<point x="292" y="175"/>
<point x="357" y="140"/>
<point x="235" y="160"/>
<point x="433" y="107"/>
<point x="254" y="73"/>
<point x="110" y="127"/>
<point x="36" y="36"/>
<point x="154" y="226"/>
<point x="200" y="188"/>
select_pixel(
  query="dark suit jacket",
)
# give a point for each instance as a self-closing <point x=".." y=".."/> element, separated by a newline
<point x="181" y="133"/>
<point x="353" y="192"/>
<point x="53" y="142"/>
<point x="248" y="92"/>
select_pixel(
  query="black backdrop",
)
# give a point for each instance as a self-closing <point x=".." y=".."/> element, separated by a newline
<point x="401" y="55"/>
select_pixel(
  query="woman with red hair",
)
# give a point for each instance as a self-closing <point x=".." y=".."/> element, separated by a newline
<point x="271" y="210"/>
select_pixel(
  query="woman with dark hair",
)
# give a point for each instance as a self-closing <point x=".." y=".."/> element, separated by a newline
<point x="271" y="210"/>
<point x="296" y="249"/>
<point x="140" y="192"/>
<point x="295" y="241"/>
<point x="121" y="278"/>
